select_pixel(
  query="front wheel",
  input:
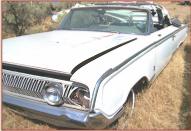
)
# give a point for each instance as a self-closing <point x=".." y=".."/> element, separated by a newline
<point x="128" y="111"/>
<point x="130" y="104"/>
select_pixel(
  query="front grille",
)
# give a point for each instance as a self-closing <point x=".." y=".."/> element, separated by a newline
<point x="24" y="84"/>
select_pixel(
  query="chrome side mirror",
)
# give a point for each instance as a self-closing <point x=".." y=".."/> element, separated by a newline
<point x="55" y="18"/>
<point x="176" y="22"/>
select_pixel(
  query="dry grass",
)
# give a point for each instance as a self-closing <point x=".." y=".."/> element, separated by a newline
<point x="164" y="105"/>
<point x="14" y="121"/>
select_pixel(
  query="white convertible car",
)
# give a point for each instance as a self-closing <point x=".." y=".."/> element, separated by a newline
<point x="81" y="74"/>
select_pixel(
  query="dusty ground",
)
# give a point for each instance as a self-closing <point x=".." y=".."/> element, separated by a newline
<point x="164" y="105"/>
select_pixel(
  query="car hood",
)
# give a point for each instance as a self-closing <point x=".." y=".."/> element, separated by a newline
<point x="59" y="50"/>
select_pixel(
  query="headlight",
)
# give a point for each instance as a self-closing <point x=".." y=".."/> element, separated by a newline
<point x="52" y="94"/>
<point x="80" y="96"/>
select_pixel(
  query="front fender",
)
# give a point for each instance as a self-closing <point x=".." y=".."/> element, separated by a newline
<point x="114" y="89"/>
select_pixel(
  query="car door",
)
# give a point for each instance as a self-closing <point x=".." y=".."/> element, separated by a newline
<point x="164" y="47"/>
<point x="180" y="36"/>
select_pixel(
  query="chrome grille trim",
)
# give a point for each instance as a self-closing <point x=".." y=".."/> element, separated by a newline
<point x="21" y="95"/>
<point x="28" y="85"/>
<point x="22" y="86"/>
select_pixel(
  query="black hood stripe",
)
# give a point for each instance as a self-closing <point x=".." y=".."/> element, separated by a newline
<point x="53" y="74"/>
<point x="35" y="71"/>
<point x="99" y="55"/>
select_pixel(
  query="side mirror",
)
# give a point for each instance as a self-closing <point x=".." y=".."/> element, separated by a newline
<point x="176" y="22"/>
<point x="153" y="12"/>
<point x="55" y="18"/>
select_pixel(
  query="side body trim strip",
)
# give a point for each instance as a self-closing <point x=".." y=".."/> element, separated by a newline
<point x="132" y="58"/>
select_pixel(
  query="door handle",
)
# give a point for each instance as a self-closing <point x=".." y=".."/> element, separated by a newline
<point x="159" y="35"/>
<point x="173" y="37"/>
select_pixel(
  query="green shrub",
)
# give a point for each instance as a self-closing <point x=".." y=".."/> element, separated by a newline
<point x="18" y="17"/>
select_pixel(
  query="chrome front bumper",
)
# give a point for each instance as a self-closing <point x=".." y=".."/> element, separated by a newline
<point x="58" y="116"/>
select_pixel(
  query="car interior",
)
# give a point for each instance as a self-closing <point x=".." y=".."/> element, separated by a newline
<point x="163" y="21"/>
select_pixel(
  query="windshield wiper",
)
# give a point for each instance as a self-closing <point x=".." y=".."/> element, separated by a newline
<point x="87" y="29"/>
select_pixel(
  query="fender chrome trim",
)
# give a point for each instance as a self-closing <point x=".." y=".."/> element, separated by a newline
<point x="58" y="116"/>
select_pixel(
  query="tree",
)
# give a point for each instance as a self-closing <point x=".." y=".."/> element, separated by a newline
<point x="18" y="17"/>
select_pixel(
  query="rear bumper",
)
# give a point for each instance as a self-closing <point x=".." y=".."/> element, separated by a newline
<point x="58" y="116"/>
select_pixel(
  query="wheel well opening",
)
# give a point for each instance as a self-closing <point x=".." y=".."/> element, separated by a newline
<point x="141" y="85"/>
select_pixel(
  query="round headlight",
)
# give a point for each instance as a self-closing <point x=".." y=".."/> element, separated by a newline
<point x="52" y="94"/>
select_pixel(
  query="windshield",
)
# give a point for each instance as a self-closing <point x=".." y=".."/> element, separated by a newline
<point x="107" y="20"/>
